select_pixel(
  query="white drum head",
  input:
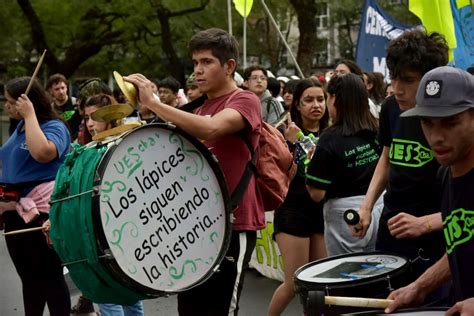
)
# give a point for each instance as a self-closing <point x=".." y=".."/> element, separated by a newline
<point x="350" y="268"/>
<point x="163" y="209"/>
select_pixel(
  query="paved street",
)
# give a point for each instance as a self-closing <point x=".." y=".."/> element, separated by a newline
<point x="255" y="297"/>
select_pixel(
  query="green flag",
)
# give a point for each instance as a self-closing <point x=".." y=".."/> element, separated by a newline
<point x="436" y="17"/>
<point x="243" y="7"/>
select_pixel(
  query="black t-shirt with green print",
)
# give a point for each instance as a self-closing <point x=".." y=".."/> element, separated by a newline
<point x="412" y="181"/>
<point x="343" y="165"/>
<point x="458" y="220"/>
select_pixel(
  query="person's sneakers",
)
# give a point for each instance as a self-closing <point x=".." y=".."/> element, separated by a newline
<point x="83" y="306"/>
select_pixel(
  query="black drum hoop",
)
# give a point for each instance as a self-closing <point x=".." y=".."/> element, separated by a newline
<point x="102" y="242"/>
<point x="315" y="286"/>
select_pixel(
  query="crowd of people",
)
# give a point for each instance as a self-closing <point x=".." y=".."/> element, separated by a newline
<point x="401" y="154"/>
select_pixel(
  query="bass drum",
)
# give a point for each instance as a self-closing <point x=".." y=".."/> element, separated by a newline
<point x="370" y="275"/>
<point x="140" y="215"/>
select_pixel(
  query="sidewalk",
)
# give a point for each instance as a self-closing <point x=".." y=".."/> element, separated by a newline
<point x="256" y="296"/>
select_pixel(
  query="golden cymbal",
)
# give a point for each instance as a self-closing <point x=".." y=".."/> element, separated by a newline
<point x="127" y="88"/>
<point x="112" y="112"/>
<point x="115" y="131"/>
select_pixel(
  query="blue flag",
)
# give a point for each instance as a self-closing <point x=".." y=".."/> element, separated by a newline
<point x="376" y="30"/>
<point x="464" y="30"/>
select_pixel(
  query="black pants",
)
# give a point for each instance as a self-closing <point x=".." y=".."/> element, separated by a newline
<point x="39" y="268"/>
<point x="220" y="294"/>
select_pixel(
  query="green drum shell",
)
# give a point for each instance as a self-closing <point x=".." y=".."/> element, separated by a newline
<point x="73" y="234"/>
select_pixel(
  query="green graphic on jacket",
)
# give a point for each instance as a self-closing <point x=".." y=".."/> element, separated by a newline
<point x="458" y="228"/>
<point x="68" y="114"/>
<point x="408" y="153"/>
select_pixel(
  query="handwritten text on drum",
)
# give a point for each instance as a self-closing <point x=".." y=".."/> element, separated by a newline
<point x="133" y="160"/>
<point x="149" y="180"/>
<point x="168" y="224"/>
<point x="164" y="213"/>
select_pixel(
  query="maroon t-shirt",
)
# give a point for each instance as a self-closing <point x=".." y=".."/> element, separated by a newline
<point x="233" y="154"/>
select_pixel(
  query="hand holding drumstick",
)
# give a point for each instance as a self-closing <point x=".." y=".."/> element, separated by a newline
<point x="291" y="130"/>
<point x="45" y="228"/>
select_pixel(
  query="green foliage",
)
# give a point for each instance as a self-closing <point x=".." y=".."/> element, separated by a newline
<point x="128" y="37"/>
<point x="400" y="12"/>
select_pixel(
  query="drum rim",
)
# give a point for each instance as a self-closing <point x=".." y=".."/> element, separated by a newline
<point x="101" y="240"/>
<point x="336" y="285"/>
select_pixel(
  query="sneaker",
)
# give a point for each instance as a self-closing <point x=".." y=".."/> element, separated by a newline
<point x="83" y="306"/>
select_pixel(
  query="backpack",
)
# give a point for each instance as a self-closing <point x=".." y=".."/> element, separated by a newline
<point x="272" y="163"/>
<point x="273" y="166"/>
<point x="273" y="110"/>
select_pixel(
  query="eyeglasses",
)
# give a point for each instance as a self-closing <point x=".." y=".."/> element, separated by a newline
<point x="255" y="78"/>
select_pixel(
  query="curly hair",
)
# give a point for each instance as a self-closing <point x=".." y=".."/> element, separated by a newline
<point x="418" y="51"/>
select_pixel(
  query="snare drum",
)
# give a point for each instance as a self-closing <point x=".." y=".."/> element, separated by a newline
<point x="371" y="275"/>
<point x="140" y="215"/>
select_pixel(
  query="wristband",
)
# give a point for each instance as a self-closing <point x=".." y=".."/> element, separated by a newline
<point x="430" y="228"/>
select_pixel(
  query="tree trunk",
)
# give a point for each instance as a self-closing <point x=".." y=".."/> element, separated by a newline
<point x="306" y="13"/>
<point x="174" y="66"/>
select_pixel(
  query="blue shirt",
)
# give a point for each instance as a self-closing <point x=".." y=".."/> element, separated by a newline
<point x="16" y="163"/>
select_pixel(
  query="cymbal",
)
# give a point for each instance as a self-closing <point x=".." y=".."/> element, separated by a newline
<point x="116" y="130"/>
<point x="127" y="88"/>
<point x="112" y="112"/>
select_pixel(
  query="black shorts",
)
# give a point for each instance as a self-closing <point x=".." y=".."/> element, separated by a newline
<point x="299" y="222"/>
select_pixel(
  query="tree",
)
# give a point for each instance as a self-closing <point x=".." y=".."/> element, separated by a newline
<point x="265" y="42"/>
<point x="94" y="38"/>
<point x="345" y="16"/>
<point x="96" y="28"/>
<point x="164" y="15"/>
<point x="306" y="11"/>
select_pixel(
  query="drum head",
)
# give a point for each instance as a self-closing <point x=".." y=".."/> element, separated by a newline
<point x="163" y="210"/>
<point x="350" y="268"/>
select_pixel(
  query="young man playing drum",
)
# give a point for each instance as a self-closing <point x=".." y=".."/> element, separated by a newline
<point x="445" y="103"/>
<point x="226" y="113"/>
<point x="410" y="220"/>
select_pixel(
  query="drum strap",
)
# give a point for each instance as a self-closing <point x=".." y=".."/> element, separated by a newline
<point x="191" y="106"/>
<point x="250" y="168"/>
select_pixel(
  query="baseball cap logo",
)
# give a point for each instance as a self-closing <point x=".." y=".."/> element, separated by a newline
<point x="433" y="89"/>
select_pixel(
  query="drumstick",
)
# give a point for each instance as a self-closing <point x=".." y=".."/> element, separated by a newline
<point x="38" y="66"/>
<point x="21" y="231"/>
<point x="356" y="301"/>
<point x="284" y="119"/>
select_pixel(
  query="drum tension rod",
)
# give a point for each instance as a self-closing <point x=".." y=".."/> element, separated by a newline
<point x="94" y="192"/>
<point x="390" y="288"/>
<point x="108" y="255"/>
